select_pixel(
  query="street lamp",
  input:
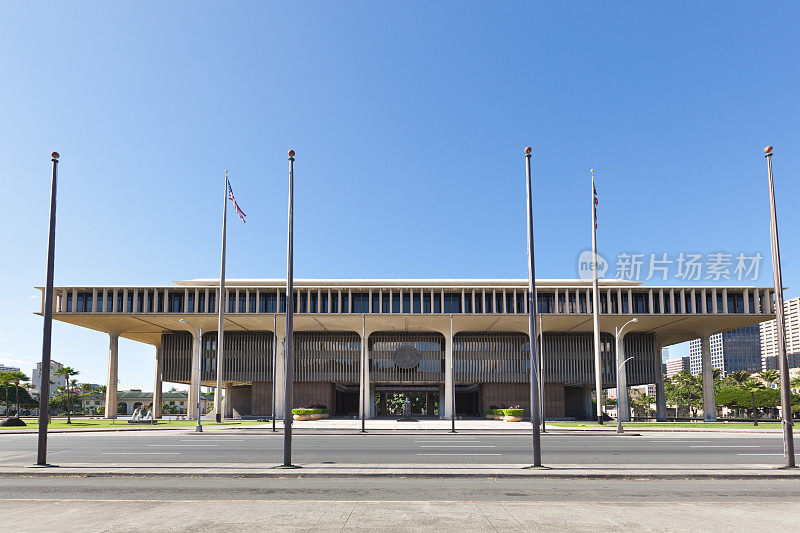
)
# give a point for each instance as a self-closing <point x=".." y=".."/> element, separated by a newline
<point x="617" y="333"/>
<point x="199" y="336"/>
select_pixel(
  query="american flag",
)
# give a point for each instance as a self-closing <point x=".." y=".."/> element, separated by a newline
<point x="238" y="209"/>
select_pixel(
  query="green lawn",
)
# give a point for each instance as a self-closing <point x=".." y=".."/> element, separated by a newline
<point x="77" y="423"/>
<point x="668" y="425"/>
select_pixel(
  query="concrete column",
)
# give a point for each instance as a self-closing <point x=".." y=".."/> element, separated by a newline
<point x="448" y="375"/>
<point x="623" y="399"/>
<point x="191" y="409"/>
<point x="709" y="409"/>
<point x="227" y="404"/>
<point x="113" y="369"/>
<point x="280" y="380"/>
<point x="363" y="381"/>
<point x="157" y="398"/>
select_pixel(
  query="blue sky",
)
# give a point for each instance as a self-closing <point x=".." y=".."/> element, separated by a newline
<point x="409" y="121"/>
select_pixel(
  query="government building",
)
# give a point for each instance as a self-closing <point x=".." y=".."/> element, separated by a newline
<point x="441" y="338"/>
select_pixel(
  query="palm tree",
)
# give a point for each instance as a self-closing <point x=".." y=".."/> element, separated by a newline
<point x="795" y="382"/>
<point x="738" y="378"/>
<point x="769" y="376"/>
<point x="67" y="372"/>
<point x="5" y="380"/>
<point x="17" y="377"/>
<point x="752" y="386"/>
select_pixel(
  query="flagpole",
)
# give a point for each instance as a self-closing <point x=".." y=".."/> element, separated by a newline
<point x="598" y="377"/>
<point x="221" y="306"/>
<point x="44" y="387"/>
<point x="532" y="303"/>
<point x="289" y="359"/>
<point x="780" y="324"/>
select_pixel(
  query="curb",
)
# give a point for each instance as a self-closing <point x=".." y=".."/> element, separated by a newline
<point x="321" y="475"/>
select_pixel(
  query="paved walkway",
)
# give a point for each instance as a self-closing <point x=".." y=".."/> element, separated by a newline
<point x="573" y="471"/>
<point x="339" y="424"/>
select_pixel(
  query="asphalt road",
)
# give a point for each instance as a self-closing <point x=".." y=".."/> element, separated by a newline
<point x="253" y="446"/>
<point x="399" y="489"/>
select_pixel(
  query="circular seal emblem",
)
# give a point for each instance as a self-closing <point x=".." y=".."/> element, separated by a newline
<point x="406" y="357"/>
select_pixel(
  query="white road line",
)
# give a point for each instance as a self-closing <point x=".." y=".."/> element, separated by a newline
<point x="182" y="445"/>
<point x="679" y="440"/>
<point x="434" y="440"/>
<point x="724" y="446"/>
<point x="465" y="446"/>
<point x="459" y="454"/>
<point x="213" y="440"/>
<point x="781" y="454"/>
<point x="141" y="453"/>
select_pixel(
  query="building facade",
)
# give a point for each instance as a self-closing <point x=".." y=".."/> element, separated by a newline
<point x="128" y="401"/>
<point x="445" y="339"/>
<point x="57" y="381"/>
<point x="676" y="366"/>
<point x="731" y="351"/>
<point x="769" y="338"/>
<point x="4" y="368"/>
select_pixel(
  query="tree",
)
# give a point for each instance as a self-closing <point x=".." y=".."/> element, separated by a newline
<point x="5" y="380"/>
<point x="644" y="401"/>
<point x="738" y="378"/>
<point x="752" y="386"/>
<point x="795" y="382"/>
<point x="769" y="376"/>
<point x="16" y="377"/>
<point x="67" y="372"/>
<point x="689" y="388"/>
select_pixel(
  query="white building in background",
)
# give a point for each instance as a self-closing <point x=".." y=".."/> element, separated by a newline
<point x="676" y="366"/>
<point x="4" y="368"/>
<point x="36" y="378"/>
<point x="769" y="338"/>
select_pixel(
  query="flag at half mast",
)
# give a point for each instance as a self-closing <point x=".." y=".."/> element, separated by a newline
<point x="239" y="211"/>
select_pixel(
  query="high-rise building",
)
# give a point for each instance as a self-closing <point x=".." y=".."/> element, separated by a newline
<point x="769" y="337"/>
<point x="57" y="381"/>
<point x="676" y="366"/>
<point x="4" y="368"/>
<point x="731" y="351"/>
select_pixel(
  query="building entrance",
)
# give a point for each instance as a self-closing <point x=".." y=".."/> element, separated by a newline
<point x="424" y="401"/>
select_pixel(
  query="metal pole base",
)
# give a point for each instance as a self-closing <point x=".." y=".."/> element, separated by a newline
<point x="198" y="429"/>
<point x="219" y="419"/>
<point x="287" y="466"/>
<point x="45" y="465"/>
<point x="534" y="467"/>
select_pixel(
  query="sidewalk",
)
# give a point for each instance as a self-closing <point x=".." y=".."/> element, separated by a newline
<point x="563" y="471"/>
<point x="386" y="424"/>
